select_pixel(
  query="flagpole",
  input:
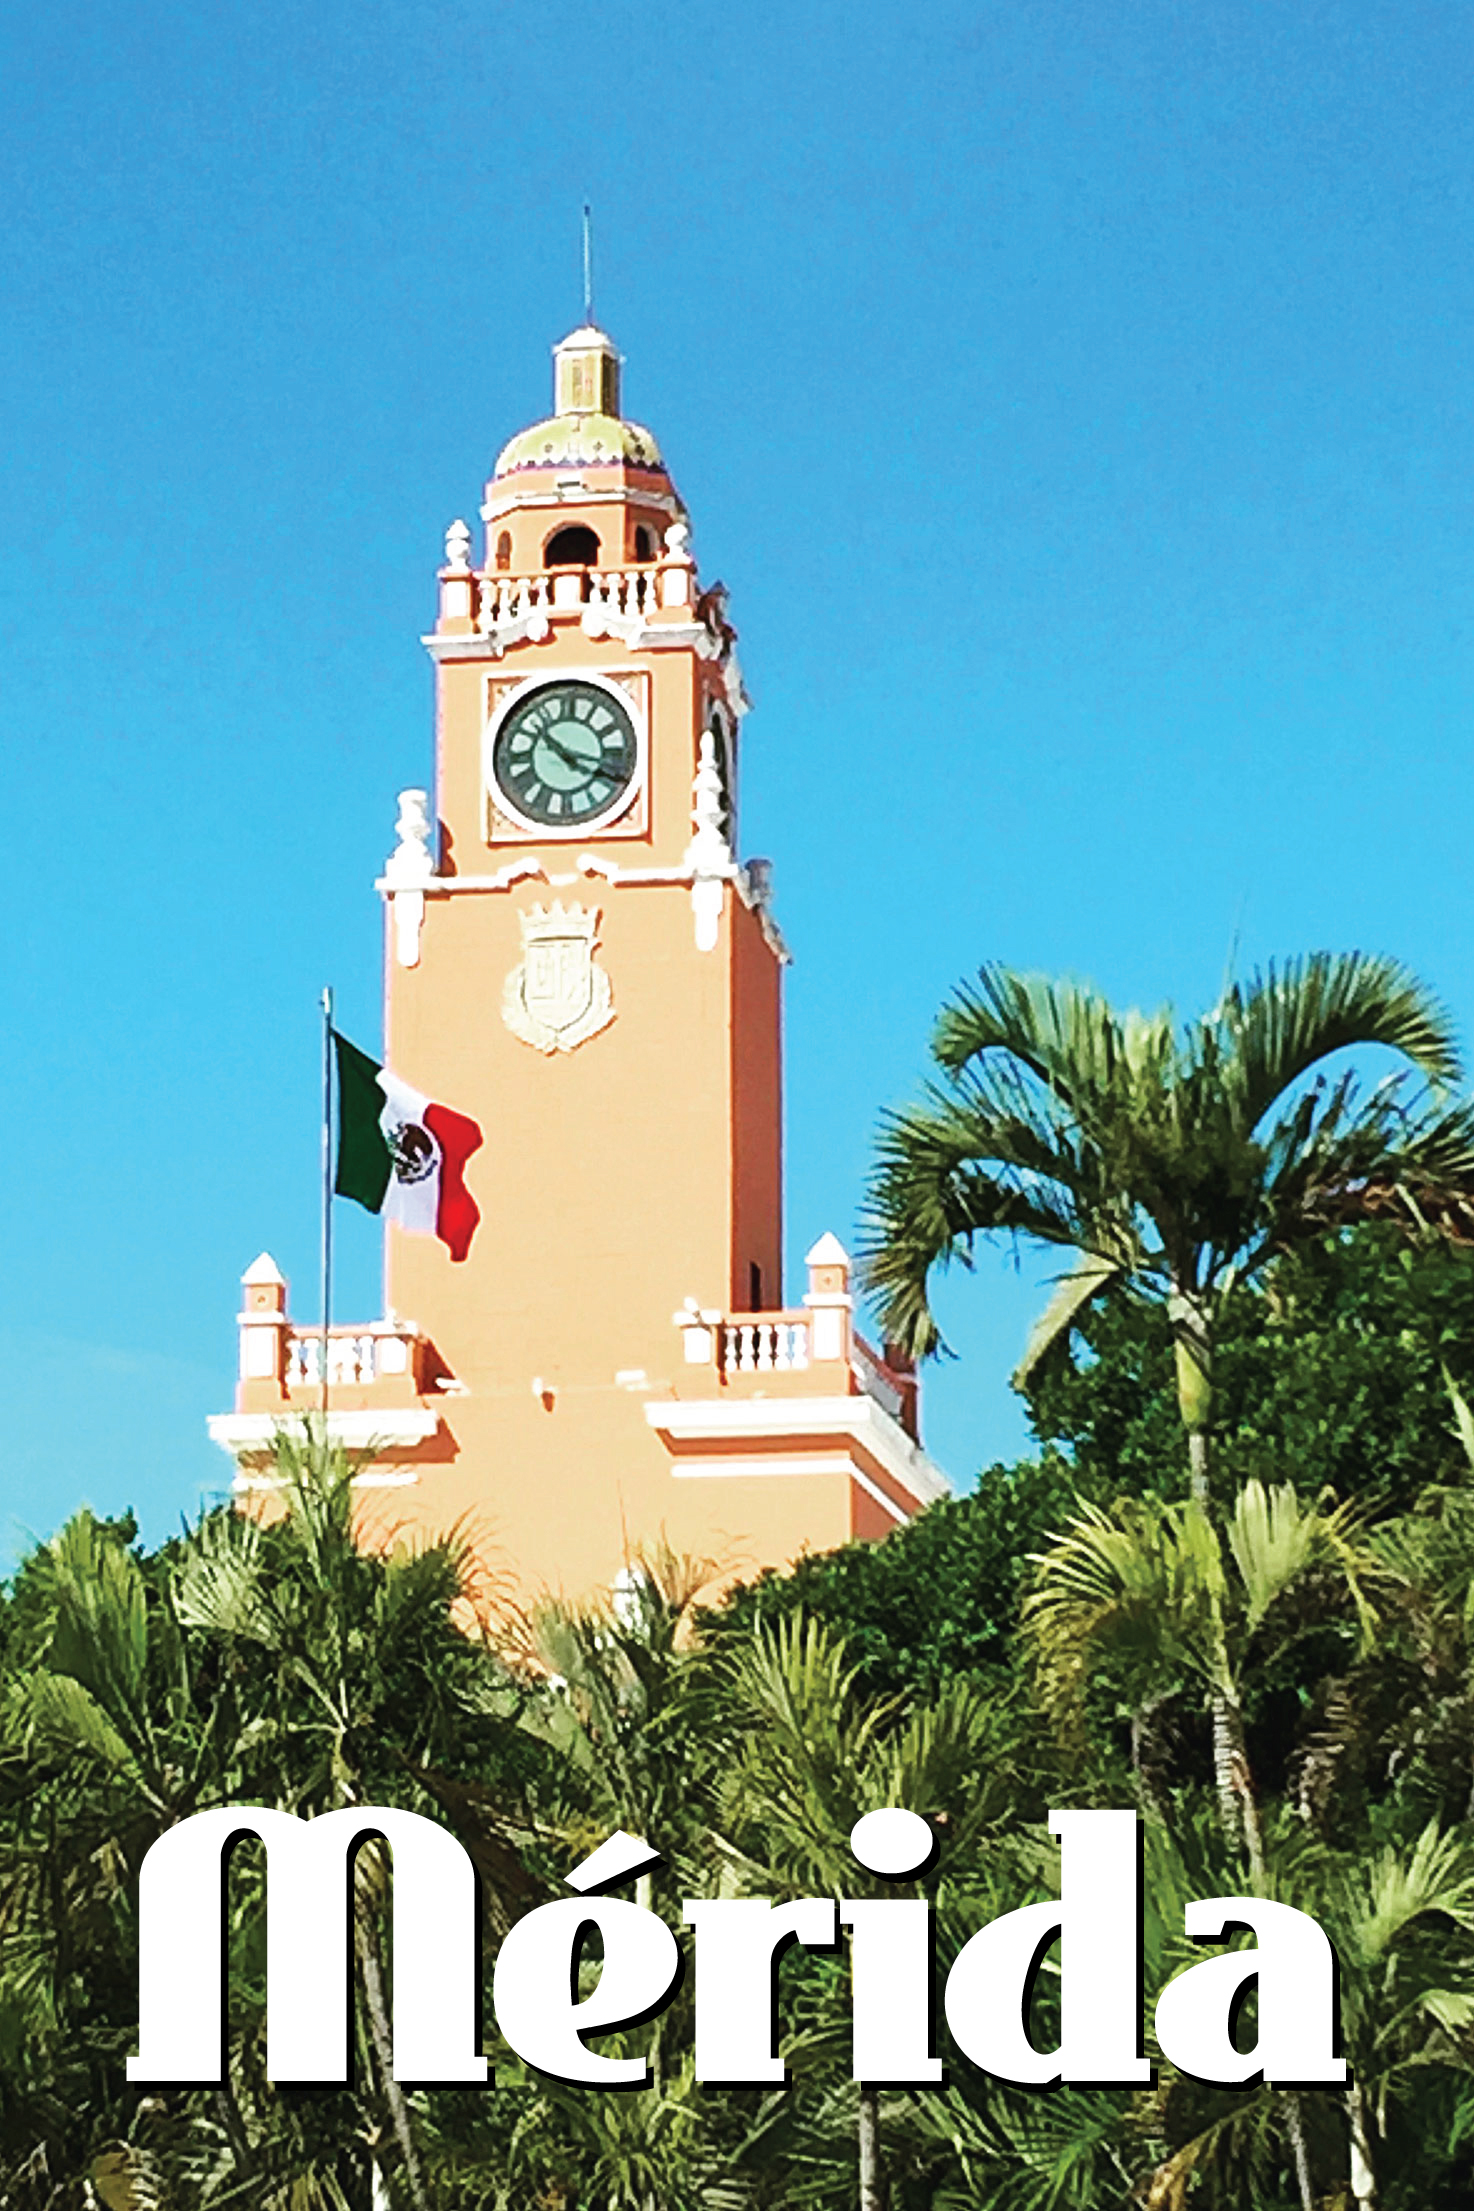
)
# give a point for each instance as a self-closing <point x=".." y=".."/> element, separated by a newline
<point x="327" y="1194"/>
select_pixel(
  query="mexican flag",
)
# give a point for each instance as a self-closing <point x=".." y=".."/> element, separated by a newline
<point x="402" y="1155"/>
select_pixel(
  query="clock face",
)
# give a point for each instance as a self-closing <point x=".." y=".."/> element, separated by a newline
<point x="565" y="755"/>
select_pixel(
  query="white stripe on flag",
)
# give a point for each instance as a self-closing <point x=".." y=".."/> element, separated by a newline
<point x="413" y="1196"/>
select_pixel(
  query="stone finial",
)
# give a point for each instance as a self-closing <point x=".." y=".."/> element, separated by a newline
<point x="829" y="1268"/>
<point x="708" y="809"/>
<point x="708" y="855"/>
<point x="409" y="867"/>
<point x="262" y="1322"/>
<point x="828" y="1298"/>
<point x="698" y="1332"/>
<point x="411" y="861"/>
<point x="458" y="548"/>
<point x="677" y="567"/>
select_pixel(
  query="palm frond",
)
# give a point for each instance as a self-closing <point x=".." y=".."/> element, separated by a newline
<point x="1073" y="1293"/>
<point x="1275" y="1538"/>
<point x="1294" y="1014"/>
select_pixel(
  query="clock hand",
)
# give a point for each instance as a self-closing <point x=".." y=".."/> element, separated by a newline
<point x="585" y="766"/>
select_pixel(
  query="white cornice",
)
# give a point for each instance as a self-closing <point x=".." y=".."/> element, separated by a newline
<point x="746" y="1419"/>
<point x="514" y="501"/>
<point x="395" y="1426"/>
<point x="776" y="1462"/>
<point x="653" y="637"/>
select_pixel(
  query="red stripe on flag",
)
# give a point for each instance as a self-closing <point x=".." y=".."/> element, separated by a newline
<point x="457" y="1214"/>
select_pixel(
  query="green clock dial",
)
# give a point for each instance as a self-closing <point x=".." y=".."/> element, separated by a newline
<point x="565" y="755"/>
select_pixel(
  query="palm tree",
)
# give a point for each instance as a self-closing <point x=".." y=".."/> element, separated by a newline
<point x="812" y="1754"/>
<point x="1164" y="1596"/>
<point x="357" y="1655"/>
<point x="1176" y="1161"/>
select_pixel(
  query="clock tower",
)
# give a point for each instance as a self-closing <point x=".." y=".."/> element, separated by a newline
<point x="575" y="957"/>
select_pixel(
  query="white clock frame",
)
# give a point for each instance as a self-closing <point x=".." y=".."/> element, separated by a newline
<point x="616" y="820"/>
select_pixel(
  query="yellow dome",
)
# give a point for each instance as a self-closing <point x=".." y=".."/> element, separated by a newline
<point x="580" y="441"/>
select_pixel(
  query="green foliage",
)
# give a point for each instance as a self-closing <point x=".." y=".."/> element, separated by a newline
<point x="937" y="1600"/>
<point x="1333" y="1374"/>
<point x="1174" y="1158"/>
<point x="1275" y="1666"/>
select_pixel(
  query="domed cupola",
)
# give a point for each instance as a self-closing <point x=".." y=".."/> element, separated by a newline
<point x="584" y="455"/>
<point x="587" y="429"/>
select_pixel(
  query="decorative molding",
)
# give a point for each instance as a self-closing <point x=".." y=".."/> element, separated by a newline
<point x="660" y="637"/>
<point x="397" y="1477"/>
<point x="389" y="1427"/>
<point x="516" y="871"/>
<point x="823" y="1462"/>
<point x="590" y="863"/>
<point x="521" y="497"/>
<point x="865" y="1423"/>
<point x="557" y="996"/>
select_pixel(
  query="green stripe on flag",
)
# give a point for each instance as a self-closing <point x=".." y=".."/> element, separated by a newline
<point x="364" y="1162"/>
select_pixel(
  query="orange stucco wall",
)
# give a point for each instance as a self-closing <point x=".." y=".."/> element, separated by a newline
<point x="617" y="1179"/>
<point x="756" y="1079"/>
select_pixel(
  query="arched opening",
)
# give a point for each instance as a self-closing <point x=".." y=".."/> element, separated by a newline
<point x="644" y="543"/>
<point x="575" y="547"/>
<point x="504" y="550"/>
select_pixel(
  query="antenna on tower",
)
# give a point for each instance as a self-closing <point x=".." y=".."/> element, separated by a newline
<point x="588" y="264"/>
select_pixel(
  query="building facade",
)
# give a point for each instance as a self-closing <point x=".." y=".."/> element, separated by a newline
<point x="575" y="957"/>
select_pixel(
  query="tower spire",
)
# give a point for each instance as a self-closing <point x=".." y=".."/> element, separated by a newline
<point x="588" y="264"/>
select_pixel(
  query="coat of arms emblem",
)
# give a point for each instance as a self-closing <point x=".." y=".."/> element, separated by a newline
<point x="557" y="996"/>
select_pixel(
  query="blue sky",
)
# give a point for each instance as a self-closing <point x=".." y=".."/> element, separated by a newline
<point x="1075" y="398"/>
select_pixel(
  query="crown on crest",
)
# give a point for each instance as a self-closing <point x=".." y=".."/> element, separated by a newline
<point x="557" y="920"/>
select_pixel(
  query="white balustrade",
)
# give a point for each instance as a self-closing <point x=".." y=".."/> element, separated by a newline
<point x="765" y="1346"/>
<point x="506" y="599"/>
<point x="626" y="592"/>
<point x="353" y="1358"/>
